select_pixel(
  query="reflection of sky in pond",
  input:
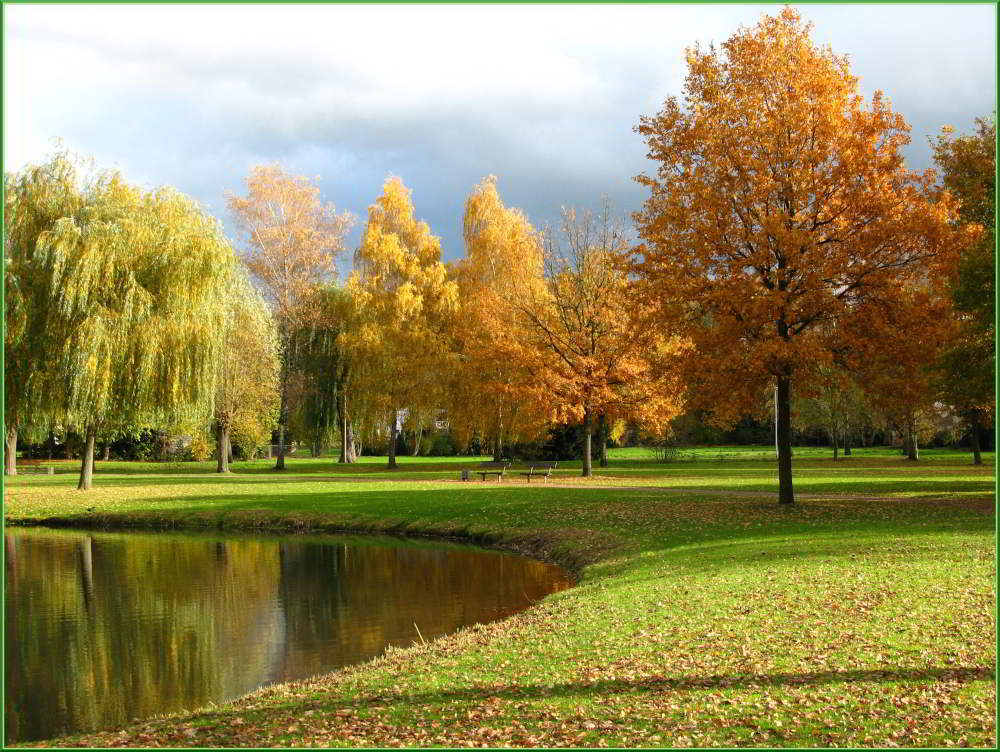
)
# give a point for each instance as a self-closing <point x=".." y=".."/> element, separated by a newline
<point x="102" y="628"/>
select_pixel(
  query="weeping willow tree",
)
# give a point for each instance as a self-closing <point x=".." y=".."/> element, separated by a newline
<point x="34" y="200"/>
<point x="135" y="285"/>
<point x="247" y="395"/>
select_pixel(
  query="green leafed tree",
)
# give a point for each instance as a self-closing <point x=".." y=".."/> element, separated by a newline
<point x="247" y="396"/>
<point x="34" y="200"/>
<point x="968" y="168"/>
<point x="134" y="283"/>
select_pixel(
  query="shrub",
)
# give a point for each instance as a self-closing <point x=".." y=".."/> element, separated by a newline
<point x="201" y="449"/>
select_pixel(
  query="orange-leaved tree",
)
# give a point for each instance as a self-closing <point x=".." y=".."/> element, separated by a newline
<point x="582" y="347"/>
<point x="503" y="263"/>
<point x="780" y="203"/>
<point x="404" y="302"/>
<point x="291" y="239"/>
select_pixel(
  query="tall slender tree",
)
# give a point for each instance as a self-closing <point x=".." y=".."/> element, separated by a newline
<point x="290" y="242"/>
<point x="503" y="262"/>
<point x="968" y="366"/>
<point x="780" y="203"/>
<point x="405" y="301"/>
<point x="246" y="396"/>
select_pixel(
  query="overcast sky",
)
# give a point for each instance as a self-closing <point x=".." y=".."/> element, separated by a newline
<point x="544" y="97"/>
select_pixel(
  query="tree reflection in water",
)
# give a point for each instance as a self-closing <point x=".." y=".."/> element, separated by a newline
<point x="102" y="628"/>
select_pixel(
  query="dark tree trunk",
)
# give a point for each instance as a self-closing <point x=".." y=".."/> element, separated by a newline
<point x="588" y="470"/>
<point x="392" y="442"/>
<point x="847" y="440"/>
<point x="786" y="495"/>
<point x="229" y="448"/>
<point x="87" y="461"/>
<point x="836" y="443"/>
<point x="283" y="414"/>
<point x="67" y="454"/>
<point x="222" y="449"/>
<point x="977" y="457"/>
<point x="912" y="451"/>
<point x="602" y="435"/>
<point x="279" y="464"/>
<point x="497" y="449"/>
<point x="10" y="452"/>
<point x="50" y="445"/>
<point x="416" y="441"/>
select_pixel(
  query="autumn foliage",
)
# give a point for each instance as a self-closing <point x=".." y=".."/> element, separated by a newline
<point x="780" y="205"/>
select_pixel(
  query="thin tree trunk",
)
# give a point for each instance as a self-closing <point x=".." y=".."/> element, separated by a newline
<point x="602" y="434"/>
<point x="786" y="494"/>
<point x="497" y="449"/>
<point x="222" y="449"/>
<point x="977" y="457"/>
<point x="229" y="448"/>
<point x="343" y="432"/>
<point x="67" y="454"/>
<point x="416" y="441"/>
<point x="912" y="451"/>
<point x="392" y="442"/>
<point x="847" y="439"/>
<point x="50" y="445"/>
<point x="836" y="443"/>
<point x="87" y="461"/>
<point x="10" y="452"/>
<point x="106" y="452"/>
<point x="283" y="415"/>
<point x="588" y="470"/>
<point x="353" y="448"/>
<point x="280" y="462"/>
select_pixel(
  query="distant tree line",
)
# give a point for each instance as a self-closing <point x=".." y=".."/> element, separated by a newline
<point x="786" y="279"/>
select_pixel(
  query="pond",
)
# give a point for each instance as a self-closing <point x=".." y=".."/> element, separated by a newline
<point x="103" y="628"/>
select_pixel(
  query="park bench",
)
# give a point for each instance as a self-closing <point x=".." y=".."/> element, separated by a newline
<point x="43" y="469"/>
<point x="491" y="468"/>
<point x="538" y="470"/>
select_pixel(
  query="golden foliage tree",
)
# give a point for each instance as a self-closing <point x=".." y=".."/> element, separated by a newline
<point x="503" y="263"/>
<point x="404" y="300"/>
<point x="780" y="203"/>
<point x="291" y="239"/>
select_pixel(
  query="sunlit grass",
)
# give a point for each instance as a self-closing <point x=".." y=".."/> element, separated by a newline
<point x="706" y="614"/>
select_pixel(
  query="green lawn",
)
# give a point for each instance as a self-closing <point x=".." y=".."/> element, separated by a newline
<point x="705" y="614"/>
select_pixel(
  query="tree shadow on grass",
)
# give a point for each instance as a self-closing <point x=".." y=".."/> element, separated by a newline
<point x="959" y="674"/>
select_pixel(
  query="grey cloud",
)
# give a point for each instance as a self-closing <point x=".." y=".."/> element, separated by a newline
<point x="199" y="116"/>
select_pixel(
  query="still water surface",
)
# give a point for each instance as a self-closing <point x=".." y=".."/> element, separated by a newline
<point x="103" y="628"/>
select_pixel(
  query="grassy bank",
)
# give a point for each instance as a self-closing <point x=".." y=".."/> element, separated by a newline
<point x="705" y="614"/>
